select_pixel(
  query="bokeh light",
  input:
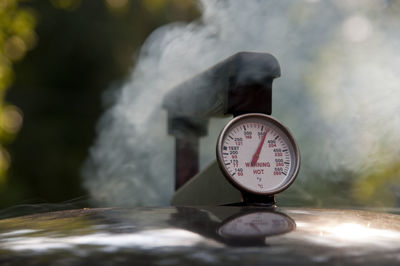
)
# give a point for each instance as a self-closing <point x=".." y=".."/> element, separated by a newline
<point x="69" y="5"/>
<point x="11" y="119"/>
<point x="17" y="37"/>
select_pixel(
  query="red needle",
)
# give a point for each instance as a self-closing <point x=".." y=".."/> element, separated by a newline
<point x="255" y="227"/>
<point x="257" y="154"/>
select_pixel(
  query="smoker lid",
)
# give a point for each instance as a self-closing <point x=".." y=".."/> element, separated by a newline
<point x="205" y="235"/>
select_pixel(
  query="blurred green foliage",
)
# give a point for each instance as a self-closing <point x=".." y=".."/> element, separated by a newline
<point x="81" y="48"/>
<point x="17" y="36"/>
<point x="379" y="188"/>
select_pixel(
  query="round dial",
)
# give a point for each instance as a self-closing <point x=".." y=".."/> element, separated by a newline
<point x="258" y="154"/>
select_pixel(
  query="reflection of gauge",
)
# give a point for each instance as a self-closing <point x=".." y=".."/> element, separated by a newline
<point x="256" y="225"/>
<point x="258" y="154"/>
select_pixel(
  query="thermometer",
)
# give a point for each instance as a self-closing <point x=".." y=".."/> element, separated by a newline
<point x="258" y="154"/>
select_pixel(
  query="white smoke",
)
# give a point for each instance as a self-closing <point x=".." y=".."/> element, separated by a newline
<point x="339" y="91"/>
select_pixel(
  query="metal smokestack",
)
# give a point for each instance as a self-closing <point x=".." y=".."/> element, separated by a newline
<point x="240" y="84"/>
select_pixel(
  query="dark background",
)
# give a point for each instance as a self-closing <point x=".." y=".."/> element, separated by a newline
<point x="83" y="48"/>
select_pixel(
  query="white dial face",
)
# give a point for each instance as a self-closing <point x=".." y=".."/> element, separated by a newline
<point x="258" y="154"/>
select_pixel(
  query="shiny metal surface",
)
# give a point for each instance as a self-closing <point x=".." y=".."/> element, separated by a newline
<point x="202" y="236"/>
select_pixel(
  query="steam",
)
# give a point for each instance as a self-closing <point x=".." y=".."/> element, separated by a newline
<point x="339" y="91"/>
